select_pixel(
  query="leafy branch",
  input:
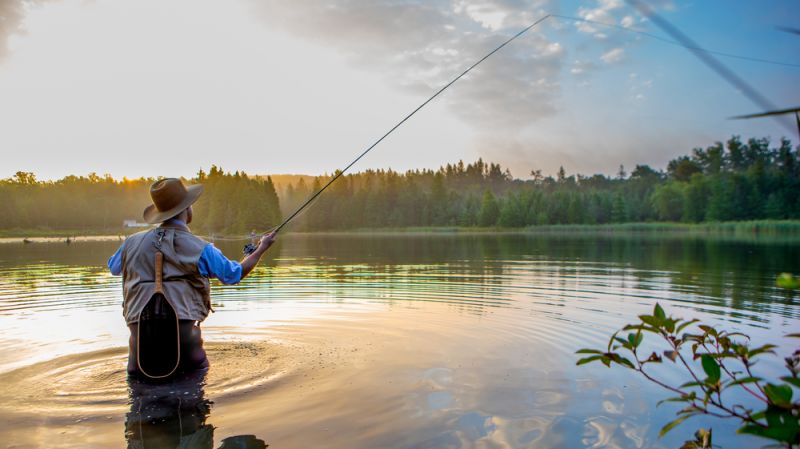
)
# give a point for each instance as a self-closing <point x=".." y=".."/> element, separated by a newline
<point x="726" y="361"/>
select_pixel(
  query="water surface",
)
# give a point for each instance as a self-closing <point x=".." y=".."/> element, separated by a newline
<point x="437" y="341"/>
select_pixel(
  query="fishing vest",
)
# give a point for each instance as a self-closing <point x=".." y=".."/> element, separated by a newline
<point x="186" y="290"/>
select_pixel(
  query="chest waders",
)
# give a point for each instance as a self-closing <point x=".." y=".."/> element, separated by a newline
<point x="158" y="337"/>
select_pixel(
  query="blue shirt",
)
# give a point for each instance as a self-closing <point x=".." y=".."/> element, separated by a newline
<point x="212" y="263"/>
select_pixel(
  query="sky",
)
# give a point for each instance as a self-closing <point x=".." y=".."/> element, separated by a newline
<point x="165" y="88"/>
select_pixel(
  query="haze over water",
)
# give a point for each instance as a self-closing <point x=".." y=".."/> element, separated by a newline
<point x="416" y="341"/>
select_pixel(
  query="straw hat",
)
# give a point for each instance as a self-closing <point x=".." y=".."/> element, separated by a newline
<point x="170" y="197"/>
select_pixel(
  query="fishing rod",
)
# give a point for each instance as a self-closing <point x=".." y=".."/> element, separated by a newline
<point x="251" y="247"/>
<point x="681" y="39"/>
<point x="679" y="44"/>
<point x="709" y="60"/>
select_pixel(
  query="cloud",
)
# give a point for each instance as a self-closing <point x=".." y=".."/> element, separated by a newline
<point x="581" y="67"/>
<point x="421" y="45"/>
<point x="627" y="21"/>
<point x="603" y="12"/>
<point x="12" y="20"/>
<point x="12" y="13"/>
<point x="613" y="56"/>
<point x="638" y="86"/>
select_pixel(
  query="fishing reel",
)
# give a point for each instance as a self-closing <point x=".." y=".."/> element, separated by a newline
<point x="250" y="248"/>
<point x="255" y="240"/>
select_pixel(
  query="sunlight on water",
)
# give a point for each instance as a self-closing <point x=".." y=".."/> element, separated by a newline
<point x="400" y="342"/>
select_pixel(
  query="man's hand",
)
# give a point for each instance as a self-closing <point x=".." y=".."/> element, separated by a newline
<point x="266" y="241"/>
<point x="250" y="262"/>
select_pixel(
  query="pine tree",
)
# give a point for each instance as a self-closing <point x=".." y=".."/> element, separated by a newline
<point x="490" y="211"/>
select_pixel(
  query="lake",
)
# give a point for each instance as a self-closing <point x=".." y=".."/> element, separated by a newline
<point x="383" y="341"/>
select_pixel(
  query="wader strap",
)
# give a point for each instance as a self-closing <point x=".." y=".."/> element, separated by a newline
<point x="159" y="275"/>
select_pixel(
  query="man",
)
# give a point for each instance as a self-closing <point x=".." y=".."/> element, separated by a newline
<point x="166" y="292"/>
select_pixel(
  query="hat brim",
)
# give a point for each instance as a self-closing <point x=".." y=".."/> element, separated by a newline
<point x="152" y="215"/>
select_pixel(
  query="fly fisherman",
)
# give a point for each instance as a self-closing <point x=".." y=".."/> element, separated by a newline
<point x="166" y="292"/>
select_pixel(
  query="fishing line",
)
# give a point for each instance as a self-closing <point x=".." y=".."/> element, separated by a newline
<point x="709" y="60"/>
<point x="339" y="173"/>
<point x="672" y="42"/>
<point x="681" y="39"/>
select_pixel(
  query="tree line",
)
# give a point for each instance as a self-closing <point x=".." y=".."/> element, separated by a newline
<point x="731" y="181"/>
<point x="231" y="202"/>
<point x="734" y="180"/>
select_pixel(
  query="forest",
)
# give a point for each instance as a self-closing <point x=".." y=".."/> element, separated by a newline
<point x="231" y="203"/>
<point x="723" y="182"/>
<point x="729" y="181"/>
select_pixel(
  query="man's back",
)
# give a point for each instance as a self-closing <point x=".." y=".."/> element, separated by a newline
<point x="186" y="289"/>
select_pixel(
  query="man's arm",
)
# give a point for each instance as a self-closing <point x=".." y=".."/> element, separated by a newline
<point x="213" y="263"/>
<point x="115" y="261"/>
<point x="250" y="262"/>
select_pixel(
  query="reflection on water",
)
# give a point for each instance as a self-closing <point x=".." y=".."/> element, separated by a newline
<point x="736" y="275"/>
<point x="174" y="414"/>
<point x="444" y="341"/>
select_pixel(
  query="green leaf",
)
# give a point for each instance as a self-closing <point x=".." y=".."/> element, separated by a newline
<point x="711" y="367"/>
<point x="635" y="339"/>
<point x="792" y="380"/>
<point x="702" y="439"/>
<point x="658" y="312"/>
<point x="616" y="358"/>
<point x="780" y="395"/>
<point x="792" y="335"/>
<point x="787" y="281"/>
<point x="588" y="351"/>
<point x="690" y="384"/>
<point x="725" y="355"/>
<point x="672" y="424"/>
<point x="640" y="327"/>
<point x="586" y="360"/>
<point x="682" y="398"/>
<point x="682" y="326"/>
<point x="766" y="348"/>
<point x="611" y="340"/>
<point x="753" y="429"/>
<point x="651" y="320"/>
<point x="625" y="344"/>
<point x="708" y="329"/>
<point x="744" y="380"/>
<point x="739" y="334"/>
<point x="626" y="362"/>
<point x="781" y="426"/>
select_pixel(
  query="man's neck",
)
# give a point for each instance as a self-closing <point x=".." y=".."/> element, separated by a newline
<point x="175" y="223"/>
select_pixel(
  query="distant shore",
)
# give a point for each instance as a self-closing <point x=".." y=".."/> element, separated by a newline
<point x="61" y="235"/>
<point x="745" y="228"/>
<point x="778" y="229"/>
<point x="61" y="239"/>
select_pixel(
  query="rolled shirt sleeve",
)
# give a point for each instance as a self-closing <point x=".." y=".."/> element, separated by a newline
<point x="115" y="262"/>
<point x="214" y="264"/>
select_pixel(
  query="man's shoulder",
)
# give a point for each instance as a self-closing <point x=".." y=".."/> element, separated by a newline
<point x="190" y="241"/>
<point x="189" y="235"/>
<point x="137" y="236"/>
<point x="134" y="240"/>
